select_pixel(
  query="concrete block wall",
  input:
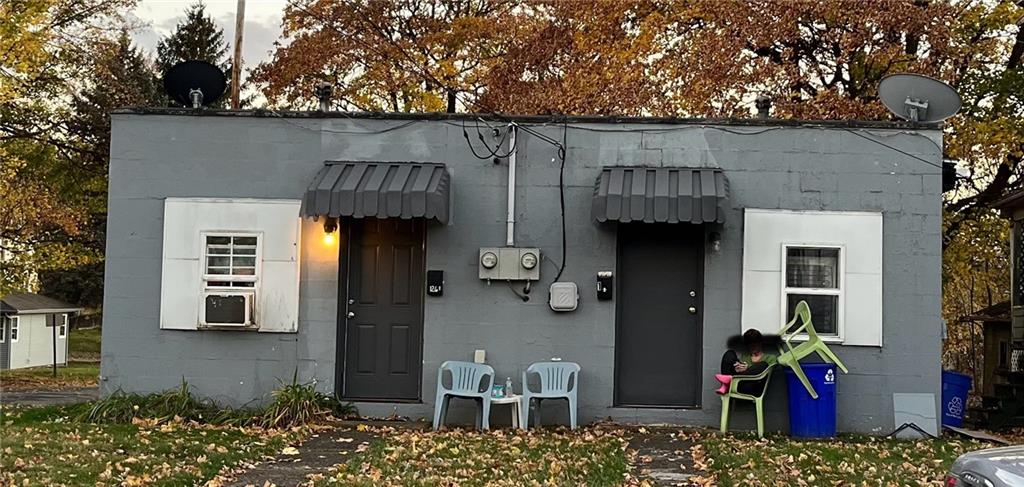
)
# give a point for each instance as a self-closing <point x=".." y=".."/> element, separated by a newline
<point x="774" y="166"/>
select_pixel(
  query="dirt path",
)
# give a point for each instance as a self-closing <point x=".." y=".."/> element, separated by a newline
<point x="314" y="456"/>
<point x="50" y="397"/>
<point x="662" y="455"/>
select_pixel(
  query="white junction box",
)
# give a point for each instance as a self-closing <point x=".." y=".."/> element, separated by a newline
<point x="509" y="263"/>
<point x="565" y="296"/>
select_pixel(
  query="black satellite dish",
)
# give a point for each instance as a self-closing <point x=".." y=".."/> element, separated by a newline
<point x="195" y="83"/>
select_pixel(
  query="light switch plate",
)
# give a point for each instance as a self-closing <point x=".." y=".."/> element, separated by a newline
<point x="480" y="356"/>
<point x="565" y="296"/>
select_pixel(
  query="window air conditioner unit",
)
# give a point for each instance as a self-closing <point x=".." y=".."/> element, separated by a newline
<point x="227" y="308"/>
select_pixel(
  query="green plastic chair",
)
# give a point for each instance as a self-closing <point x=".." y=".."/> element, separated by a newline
<point x="790" y="356"/>
<point x="758" y="400"/>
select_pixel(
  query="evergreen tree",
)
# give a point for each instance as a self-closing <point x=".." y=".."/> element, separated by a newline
<point x="120" y="75"/>
<point x="197" y="38"/>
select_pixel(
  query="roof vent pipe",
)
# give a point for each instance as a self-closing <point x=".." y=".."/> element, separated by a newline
<point x="323" y="94"/>
<point x="764" y="106"/>
<point x="510" y="221"/>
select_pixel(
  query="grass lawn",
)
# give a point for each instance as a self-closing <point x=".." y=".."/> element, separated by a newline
<point x="75" y="374"/>
<point x="846" y="460"/>
<point x="85" y="344"/>
<point x="42" y="446"/>
<point x="592" y="457"/>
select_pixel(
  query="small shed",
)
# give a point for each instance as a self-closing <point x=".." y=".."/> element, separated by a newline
<point x="995" y="322"/>
<point x="30" y="324"/>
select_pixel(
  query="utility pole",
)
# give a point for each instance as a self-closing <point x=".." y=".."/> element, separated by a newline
<point x="236" y="64"/>
<point x="53" y="318"/>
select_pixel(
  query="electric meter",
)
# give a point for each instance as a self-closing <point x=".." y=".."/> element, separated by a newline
<point x="528" y="260"/>
<point x="488" y="260"/>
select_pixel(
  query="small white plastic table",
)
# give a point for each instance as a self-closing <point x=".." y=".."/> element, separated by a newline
<point x="516" y="401"/>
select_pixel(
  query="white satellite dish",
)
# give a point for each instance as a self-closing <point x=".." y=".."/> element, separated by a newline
<point x="918" y="98"/>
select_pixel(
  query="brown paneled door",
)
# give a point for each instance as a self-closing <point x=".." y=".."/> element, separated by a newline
<point x="381" y="309"/>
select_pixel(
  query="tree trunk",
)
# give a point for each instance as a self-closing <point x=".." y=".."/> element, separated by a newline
<point x="451" y="101"/>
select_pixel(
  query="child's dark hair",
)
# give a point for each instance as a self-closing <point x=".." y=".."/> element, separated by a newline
<point x="752" y="336"/>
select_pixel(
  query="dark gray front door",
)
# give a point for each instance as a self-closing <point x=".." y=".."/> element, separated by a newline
<point x="381" y="309"/>
<point x="658" y="323"/>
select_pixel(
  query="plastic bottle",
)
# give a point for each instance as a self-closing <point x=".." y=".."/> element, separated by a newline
<point x="508" y="387"/>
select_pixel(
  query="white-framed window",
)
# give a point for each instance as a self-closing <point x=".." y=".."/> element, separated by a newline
<point x="62" y="329"/>
<point x="3" y="328"/>
<point x="193" y="269"/>
<point x="814" y="273"/>
<point x="831" y="259"/>
<point x="15" y="322"/>
<point x="231" y="274"/>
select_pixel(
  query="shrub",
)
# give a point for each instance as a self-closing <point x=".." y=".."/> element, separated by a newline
<point x="300" y="403"/>
<point x="294" y="404"/>
<point x="121" y="407"/>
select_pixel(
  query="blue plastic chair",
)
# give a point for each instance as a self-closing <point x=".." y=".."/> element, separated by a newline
<point x="558" y="380"/>
<point x="467" y="380"/>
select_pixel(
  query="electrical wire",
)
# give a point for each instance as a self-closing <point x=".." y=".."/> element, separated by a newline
<point x="512" y="288"/>
<point x="561" y="194"/>
<point x="286" y="120"/>
<point x="901" y="151"/>
<point x="493" y="153"/>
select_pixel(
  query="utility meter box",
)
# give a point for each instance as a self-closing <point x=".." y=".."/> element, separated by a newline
<point x="509" y="263"/>
<point x="564" y="296"/>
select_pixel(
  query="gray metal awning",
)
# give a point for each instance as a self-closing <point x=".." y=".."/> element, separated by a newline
<point x="656" y="194"/>
<point x="379" y="190"/>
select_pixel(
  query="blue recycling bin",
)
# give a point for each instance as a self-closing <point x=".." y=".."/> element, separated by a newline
<point x="810" y="417"/>
<point x="955" y="387"/>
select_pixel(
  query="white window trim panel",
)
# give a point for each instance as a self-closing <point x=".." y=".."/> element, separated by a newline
<point x="183" y="267"/>
<point x="840" y="292"/>
<point x="765" y="234"/>
<point x="3" y="328"/>
<point x="62" y="328"/>
<point x="15" y="329"/>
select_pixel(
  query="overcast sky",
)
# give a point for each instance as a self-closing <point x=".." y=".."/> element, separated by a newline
<point x="157" y="18"/>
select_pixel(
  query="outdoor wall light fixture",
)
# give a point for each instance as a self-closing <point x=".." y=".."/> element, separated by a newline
<point x="715" y="241"/>
<point x="330" y="227"/>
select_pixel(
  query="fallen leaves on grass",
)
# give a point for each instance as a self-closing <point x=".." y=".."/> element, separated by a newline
<point x="43" y="447"/>
<point x="466" y="458"/>
<point x="846" y="460"/>
<point x="75" y="375"/>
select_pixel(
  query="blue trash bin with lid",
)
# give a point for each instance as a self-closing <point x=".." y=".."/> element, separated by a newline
<point x="955" y="387"/>
<point x="810" y="417"/>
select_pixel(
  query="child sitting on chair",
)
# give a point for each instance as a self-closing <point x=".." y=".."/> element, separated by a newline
<point x="752" y="361"/>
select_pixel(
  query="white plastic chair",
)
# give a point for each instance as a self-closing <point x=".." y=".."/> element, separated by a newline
<point x="466" y="383"/>
<point x="558" y="380"/>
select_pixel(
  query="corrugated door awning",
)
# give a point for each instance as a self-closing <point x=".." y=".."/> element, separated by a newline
<point x="379" y="190"/>
<point x="672" y="195"/>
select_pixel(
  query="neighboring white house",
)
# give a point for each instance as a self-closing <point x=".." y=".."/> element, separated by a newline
<point x="29" y="326"/>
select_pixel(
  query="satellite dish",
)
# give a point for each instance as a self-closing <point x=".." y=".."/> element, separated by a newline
<point x="918" y="98"/>
<point x="195" y="83"/>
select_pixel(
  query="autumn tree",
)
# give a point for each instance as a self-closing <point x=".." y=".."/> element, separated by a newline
<point x="583" y="58"/>
<point x="119" y="75"/>
<point x="405" y="55"/>
<point x="42" y="43"/>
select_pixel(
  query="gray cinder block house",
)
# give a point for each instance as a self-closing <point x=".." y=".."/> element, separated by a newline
<point x="362" y="250"/>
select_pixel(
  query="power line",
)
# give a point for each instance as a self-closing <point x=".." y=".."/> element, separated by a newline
<point x="901" y="151"/>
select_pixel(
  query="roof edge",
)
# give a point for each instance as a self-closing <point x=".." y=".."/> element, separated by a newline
<point x="755" y="122"/>
<point x="44" y="311"/>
